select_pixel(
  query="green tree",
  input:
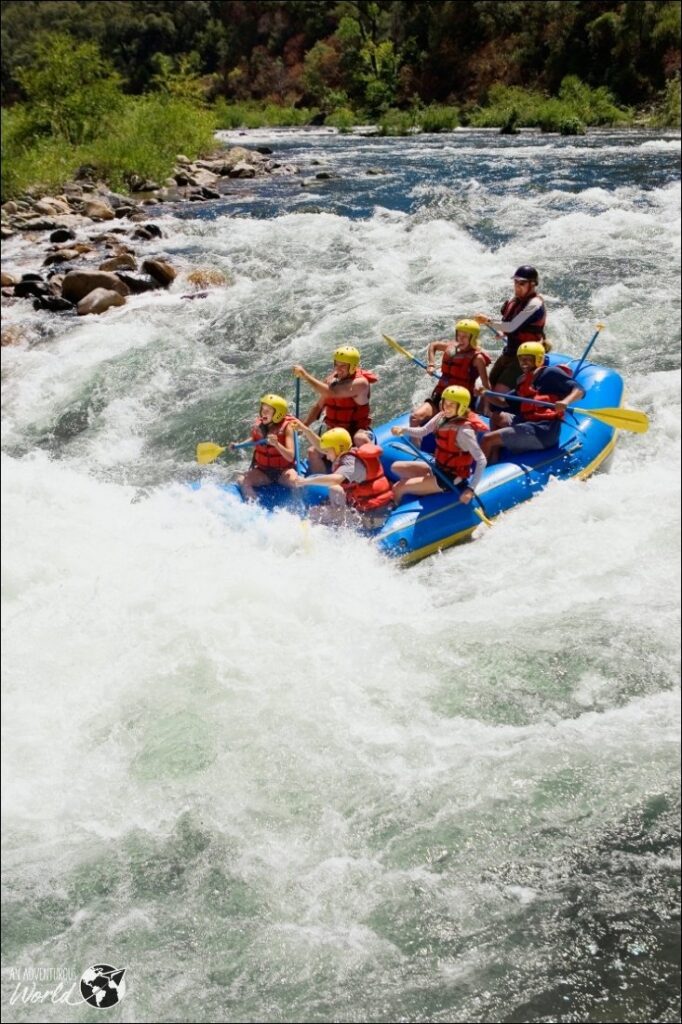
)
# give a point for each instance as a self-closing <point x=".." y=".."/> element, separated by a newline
<point x="70" y="89"/>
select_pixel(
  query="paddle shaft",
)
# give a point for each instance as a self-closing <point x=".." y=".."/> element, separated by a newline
<point x="587" y="350"/>
<point x="431" y="463"/>
<point x="620" y="419"/>
<point x="297" y="410"/>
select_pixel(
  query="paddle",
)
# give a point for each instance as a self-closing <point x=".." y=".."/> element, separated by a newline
<point x="600" y="327"/>
<point x="407" y="445"/>
<point x="297" y="411"/>
<point x="408" y="355"/>
<point x="209" y="452"/>
<point x="621" y="419"/>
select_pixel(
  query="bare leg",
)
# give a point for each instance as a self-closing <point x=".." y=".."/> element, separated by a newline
<point x="410" y="474"/>
<point x="251" y="479"/>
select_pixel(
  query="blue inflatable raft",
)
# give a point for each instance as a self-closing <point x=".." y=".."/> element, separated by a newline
<point x="420" y="526"/>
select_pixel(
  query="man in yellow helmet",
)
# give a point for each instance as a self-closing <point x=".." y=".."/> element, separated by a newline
<point x="528" y="427"/>
<point x="359" y="491"/>
<point x="344" y="398"/>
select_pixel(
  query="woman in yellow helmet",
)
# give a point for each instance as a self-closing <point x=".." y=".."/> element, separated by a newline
<point x="527" y="427"/>
<point x="458" y="455"/>
<point x="274" y="454"/>
<point x="344" y="398"/>
<point x="462" y="363"/>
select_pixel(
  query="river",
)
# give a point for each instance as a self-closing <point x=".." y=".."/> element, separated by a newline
<point x="269" y="773"/>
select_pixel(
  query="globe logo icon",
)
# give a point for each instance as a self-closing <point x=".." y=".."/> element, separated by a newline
<point x="103" y="985"/>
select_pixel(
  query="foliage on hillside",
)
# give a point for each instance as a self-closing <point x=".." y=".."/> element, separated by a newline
<point x="123" y="87"/>
<point x="362" y="54"/>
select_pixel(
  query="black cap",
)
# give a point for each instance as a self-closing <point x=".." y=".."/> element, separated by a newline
<point x="526" y="273"/>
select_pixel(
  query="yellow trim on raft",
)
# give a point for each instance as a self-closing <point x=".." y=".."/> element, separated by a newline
<point x="458" y="538"/>
<point x="596" y="463"/>
<point x="430" y="549"/>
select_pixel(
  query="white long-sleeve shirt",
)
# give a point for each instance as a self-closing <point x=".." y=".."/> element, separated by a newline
<point x="509" y="326"/>
<point x="466" y="439"/>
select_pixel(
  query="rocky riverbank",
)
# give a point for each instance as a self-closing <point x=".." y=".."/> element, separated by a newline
<point x="86" y="272"/>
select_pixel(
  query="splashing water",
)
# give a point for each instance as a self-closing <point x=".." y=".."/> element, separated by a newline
<point x="271" y="774"/>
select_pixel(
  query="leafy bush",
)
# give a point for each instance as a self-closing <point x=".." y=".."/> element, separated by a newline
<point x="397" y="122"/>
<point x="230" y="116"/>
<point x="576" y="101"/>
<point x="147" y="136"/>
<point x="572" y="126"/>
<point x="667" y="114"/>
<point x="344" y="119"/>
<point x="142" y="138"/>
<point x="437" y="118"/>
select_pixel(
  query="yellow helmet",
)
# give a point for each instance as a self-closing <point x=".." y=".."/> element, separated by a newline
<point x="471" y="328"/>
<point x="278" y="404"/>
<point x="338" y="439"/>
<point x="532" y="348"/>
<point x="347" y="354"/>
<point x="459" y="395"/>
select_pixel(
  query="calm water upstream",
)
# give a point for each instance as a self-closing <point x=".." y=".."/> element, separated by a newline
<point x="266" y="771"/>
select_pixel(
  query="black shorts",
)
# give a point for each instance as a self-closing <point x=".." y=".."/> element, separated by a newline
<point x="451" y="485"/>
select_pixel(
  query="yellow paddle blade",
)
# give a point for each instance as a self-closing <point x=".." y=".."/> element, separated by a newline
<point x="207" y="452"/>
<point x="483" y="517"/>
<point x="397" y="346"/>
<point x="622" y="419"/>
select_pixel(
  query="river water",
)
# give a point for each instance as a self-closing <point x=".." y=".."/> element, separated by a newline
<point x="271" y="774"/>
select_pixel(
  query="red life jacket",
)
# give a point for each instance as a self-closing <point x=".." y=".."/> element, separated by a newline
<point x="534" y="331"/>
<point x="525" y="389"/>
<point x="449" y="455"/>
<point x="264" y="455"/>
<point x="375" y="490"/>
<point x="457" y="368"/>
<point x="345" y="412"/>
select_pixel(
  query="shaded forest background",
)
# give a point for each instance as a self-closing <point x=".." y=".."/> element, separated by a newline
<point x="368" y="55"/>
<point x="122" y="87"/>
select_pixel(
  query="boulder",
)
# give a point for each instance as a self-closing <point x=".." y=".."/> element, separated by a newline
<point x="27" y="289"/>
<point x="160" y="270"/>
<point x="125" y="261"/>
<point x="52" y="303"/>
<point x="98" y="209"/>
<point x="62" y="235"/>
<point x="243" y="170"/>
<point x="79" y="283"/>
<point x="98" y="301"/>
<point x="61" y="256"/>
<point x="8" y="280"/>
<point x="49" y="205"/>
<point x="138" y="284"/>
